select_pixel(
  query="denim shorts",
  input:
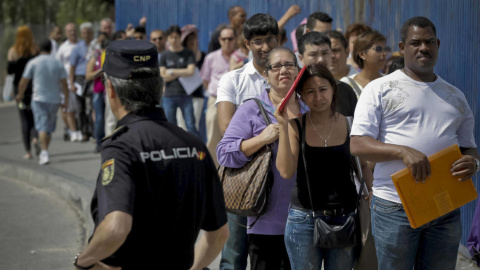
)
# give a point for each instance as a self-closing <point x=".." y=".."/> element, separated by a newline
<point x="45" y="115"/>
<point x="301" y="250"/>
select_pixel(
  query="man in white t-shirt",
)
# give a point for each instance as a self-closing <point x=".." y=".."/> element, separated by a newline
<point x="63" y="55"/>
<point x="401" y="119"/>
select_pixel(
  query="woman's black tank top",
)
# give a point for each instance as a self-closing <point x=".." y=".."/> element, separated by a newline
<point x="329" y="171"/>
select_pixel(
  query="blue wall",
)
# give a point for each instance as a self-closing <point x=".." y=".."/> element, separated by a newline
<point x="457" y="22"/>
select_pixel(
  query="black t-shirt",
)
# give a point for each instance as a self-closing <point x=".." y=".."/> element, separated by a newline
<point x="346" y="99"/>
<point x="329" y="172"/>
<point x="16" y="68"/>
<point x="176" y="60"/>
<point x="166" y="180"/>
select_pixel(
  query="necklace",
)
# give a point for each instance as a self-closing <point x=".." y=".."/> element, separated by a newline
<point x="313" y="125"/>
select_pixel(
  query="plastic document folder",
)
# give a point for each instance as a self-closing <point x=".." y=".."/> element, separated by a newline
<point x="440" y="194"/>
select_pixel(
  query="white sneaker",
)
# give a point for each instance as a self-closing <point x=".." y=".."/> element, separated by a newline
<point x="73" y="136"/>
<point x="43" y="158"/>
<point x="79" y="136"/>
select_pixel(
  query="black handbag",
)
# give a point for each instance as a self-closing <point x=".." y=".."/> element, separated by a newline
<point x="331" y="235"/>
<point x="247" y="189"/>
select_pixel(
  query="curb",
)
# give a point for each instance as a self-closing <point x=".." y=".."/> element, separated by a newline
<point x="73" y="189"/>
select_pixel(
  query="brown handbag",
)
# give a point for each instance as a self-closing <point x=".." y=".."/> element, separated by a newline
<point x="247" y="189"/>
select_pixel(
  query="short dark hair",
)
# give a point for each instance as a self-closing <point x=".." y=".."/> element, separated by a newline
<point x="397" y="63"/>
<point x="364" y="42"/>
<point x="260" y="24"/>
<point x="138" y="95"/>
<point x="140" y="29"/>
<point x="105" y="41"/>
<point x="300" y="30"/>
<point x="231" y="11"/>
<point x="421" y="22"/>
<point x="320" y="71"/>
<point x="337" y="35"/>
<point x="318" y="16"/>
<point x="45" y="45"/>
<point x="285" y="49"/>
<point x="118" y="34"/>
<point x="174" y="29"/>
<point x="315" y="38"/>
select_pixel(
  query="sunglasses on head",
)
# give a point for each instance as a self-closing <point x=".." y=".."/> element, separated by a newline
<point x="380" y="49"/>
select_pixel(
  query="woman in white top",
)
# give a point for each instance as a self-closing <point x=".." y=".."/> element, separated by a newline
<point x="369" y="53"/>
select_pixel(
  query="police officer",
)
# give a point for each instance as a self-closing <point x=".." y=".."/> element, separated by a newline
<point x="158" y="185"/>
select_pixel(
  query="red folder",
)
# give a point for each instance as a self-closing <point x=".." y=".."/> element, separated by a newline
<point x="440" y="194"/>
<point x="292" y="89"/>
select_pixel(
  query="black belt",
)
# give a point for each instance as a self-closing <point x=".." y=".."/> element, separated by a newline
<point x="326" y="212"/>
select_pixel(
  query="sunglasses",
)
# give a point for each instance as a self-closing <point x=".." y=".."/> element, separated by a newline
<point x="159" y="38"/>
<point x="380" y="49"/>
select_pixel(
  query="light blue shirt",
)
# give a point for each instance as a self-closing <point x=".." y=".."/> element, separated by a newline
<point x="46" y="73"/>
<point x="78" y="58"/>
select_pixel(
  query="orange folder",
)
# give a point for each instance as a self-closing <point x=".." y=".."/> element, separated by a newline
<point x="440" y="194"/>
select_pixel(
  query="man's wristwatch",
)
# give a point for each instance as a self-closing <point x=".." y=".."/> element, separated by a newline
<point x="169" y="71"/>
<point x="81" y="267"/>
<point x="477" y="165"/>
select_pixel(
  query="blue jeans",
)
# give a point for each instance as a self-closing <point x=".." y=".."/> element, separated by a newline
<point x="399" y="246"/>
<point x="170" y="105"/>
<point x="302" y="252"/>
<point x="99" y="107"/>
<point x="235" y="251"/>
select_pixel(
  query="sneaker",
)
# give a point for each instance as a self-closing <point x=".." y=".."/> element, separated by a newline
<point x="43" y="158"/>
<point x="79" y="136"/>
<point x="73" y="136"/>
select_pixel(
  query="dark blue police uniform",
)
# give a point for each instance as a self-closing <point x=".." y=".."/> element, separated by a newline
<point x="166" y="180"/>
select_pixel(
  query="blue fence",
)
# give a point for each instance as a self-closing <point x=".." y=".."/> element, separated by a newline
<point x="457" y="22"/>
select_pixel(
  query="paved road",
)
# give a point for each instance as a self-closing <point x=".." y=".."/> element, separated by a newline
<point x="38" y="230"/>
<point x="71" y="174"/>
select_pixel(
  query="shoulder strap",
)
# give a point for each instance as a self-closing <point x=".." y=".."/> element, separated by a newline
<point x="356" y="166"/>
<point x="354" y="86"/>
<point x="262" y="110"/>
<point x="302" y="145"/>
<point x="299" y="127"/>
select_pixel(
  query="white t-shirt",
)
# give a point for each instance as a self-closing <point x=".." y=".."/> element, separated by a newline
<point x="63" y="54"/>
<point x="429" y="117"/>
<point x="238" y="85"/>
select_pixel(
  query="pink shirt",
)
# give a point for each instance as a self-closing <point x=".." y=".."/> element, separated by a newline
<point x="214" y="66"/>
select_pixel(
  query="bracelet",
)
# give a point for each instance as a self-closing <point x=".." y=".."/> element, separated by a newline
<point x="81" y="267"/>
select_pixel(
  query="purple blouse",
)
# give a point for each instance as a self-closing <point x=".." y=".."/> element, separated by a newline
<point x="247" y="122"/>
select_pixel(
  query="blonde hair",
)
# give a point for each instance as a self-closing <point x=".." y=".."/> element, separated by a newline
<point x="24" y="43"/>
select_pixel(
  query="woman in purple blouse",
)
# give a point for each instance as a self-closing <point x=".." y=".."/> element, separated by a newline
<point x="246" y="134"/>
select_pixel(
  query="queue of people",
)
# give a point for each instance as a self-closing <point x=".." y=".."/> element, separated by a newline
<point x="148" y="162"/>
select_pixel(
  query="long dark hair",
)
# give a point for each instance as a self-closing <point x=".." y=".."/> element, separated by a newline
<point x="320" y="71"/>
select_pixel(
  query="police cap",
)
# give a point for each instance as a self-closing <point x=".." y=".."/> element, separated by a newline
<point x="123" y="56"/>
